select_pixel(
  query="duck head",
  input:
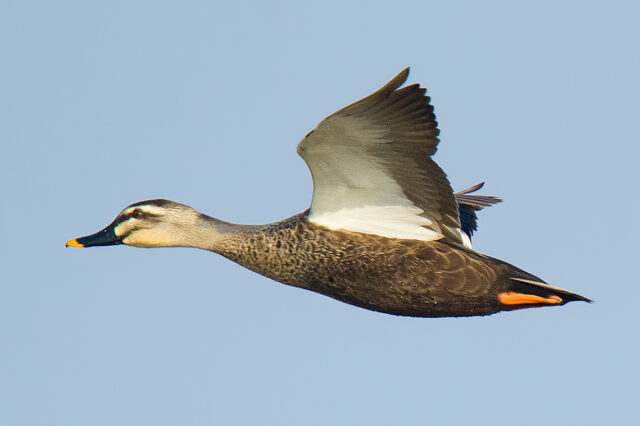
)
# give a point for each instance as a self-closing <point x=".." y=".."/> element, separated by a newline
<point x="151" y="223"/>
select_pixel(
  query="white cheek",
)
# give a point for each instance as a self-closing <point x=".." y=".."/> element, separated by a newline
<point x="124" y="228"/>
<point x="149" y="238"/>
<point x="132" y="239"/>
<point x="139" y="238"/>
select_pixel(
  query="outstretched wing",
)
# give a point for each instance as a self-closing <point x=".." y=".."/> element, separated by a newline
<point x="372" y="168"/>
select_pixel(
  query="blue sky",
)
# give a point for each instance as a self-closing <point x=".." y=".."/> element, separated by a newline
<point x="109" y="103"/>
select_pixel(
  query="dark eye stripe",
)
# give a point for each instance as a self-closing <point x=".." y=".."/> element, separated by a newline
<point x="137" y="214"/>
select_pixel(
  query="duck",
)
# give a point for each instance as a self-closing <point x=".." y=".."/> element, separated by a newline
<point x="384" y="232"/>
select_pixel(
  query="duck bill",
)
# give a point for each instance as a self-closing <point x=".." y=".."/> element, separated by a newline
<point x="106" y="237"/>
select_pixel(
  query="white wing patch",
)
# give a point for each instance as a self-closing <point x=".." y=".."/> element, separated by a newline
<point x="353" y="190"/>
<point x="385" y="221"/>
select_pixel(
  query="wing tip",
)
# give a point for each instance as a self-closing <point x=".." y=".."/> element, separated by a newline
<point x="396" y="81"/>
<point x="476" y="202"/>
<point x="474" y="188"/>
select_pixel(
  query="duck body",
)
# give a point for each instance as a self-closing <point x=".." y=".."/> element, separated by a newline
<point x="394" y="276"/>
<point x="384" y="231"/>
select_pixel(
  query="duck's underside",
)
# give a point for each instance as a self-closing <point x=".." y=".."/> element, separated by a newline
<point x="435" y="281"/>
<point x="399" y="277"/>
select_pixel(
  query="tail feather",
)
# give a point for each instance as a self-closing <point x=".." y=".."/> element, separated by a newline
<point x="543" y="289"/>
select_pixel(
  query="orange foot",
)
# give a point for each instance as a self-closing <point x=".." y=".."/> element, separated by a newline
<point x="511" y="298"/>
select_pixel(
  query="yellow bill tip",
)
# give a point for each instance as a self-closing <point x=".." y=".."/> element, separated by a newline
<point x="73" y="243"/>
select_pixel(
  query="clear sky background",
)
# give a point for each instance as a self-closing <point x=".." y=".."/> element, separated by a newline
<point x="106" y="103"/>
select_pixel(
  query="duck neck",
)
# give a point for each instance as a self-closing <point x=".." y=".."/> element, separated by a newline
<point x="265" y="249"/>
<point x="215" y="235"/>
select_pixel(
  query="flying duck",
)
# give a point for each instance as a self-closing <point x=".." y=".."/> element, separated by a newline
<point x="384" y="232"/>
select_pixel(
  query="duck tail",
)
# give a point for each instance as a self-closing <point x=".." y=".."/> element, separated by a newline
<point x="526" y="291"/>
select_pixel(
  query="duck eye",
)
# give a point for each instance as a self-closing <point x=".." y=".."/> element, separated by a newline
<point x="137" y="213"/>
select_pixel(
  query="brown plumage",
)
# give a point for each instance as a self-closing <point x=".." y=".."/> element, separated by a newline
<point x="400" y="277"/>
<point x="384" y="232"/>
